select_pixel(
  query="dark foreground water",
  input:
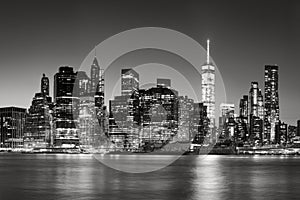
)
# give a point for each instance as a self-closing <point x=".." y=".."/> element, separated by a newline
<point x="70" y="177"/>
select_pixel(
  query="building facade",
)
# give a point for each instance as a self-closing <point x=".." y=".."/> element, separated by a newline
<point x="255" y="114"/>
<point x="66" y="108"/>
<point x="12" y="127"/>
<point x="208" y="88"/>
<point x="226" y="120"/>
<point x="39" y="130"/>
<point x="244" y="121"/>
<point x="271" y="101"/>
<point x="129" y="82"/>
<point x="185" y="114"/>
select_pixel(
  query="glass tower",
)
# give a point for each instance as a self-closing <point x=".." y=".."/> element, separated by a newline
<point x="255" y="114"/>
<point x="208" y="87"/>
<point x="66" y="108"/>
<point x="129" y="82"/>
<point x="271" y="101"/>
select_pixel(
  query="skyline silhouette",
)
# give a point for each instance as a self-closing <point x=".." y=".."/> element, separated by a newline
<point x="245" y="36"/>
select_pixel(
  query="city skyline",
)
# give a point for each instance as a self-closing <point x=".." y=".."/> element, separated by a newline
<point x="269" y="44"/>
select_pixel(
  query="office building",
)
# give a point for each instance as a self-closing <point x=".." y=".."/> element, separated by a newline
<point x="185" y="113"/>
<point x="129" y="82"/>
<point x="200" y="124"/>
<point x="244" y="121"/>
<point x="12" y="125"/>
<point x="298" y="128"/>
<point x="39" y="130"/>
<point x="255" y="114"/>
<point x="66" y="108"/>
<point x="281" y="133"/>
<point x="208" y="88"/>
<point x="226" y="120"/>
<point x="271" y="101"/>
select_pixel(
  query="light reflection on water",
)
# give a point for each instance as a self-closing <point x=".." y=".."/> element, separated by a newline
<point x="191" y="177"/>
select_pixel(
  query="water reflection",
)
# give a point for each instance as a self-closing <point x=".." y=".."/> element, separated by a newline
<point x="190" y="177"/>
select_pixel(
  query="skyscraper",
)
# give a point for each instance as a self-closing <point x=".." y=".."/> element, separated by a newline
<point x="164" y="82"/>
<point x="88" y="123"/>
<point x="83" y="85"/>
<point x="95" y="72"/>
<point x="97" y="84"/>
<point x="123" y="111"/>
<point x="45" y="85"/>
<point x="185" y="112"/>
<point x="281" y="133"/>
<point x="255" y="113"/>
<point x="64" y="82"/>
<point x="260" y="105"/>
<point x="66" y="108"/>
<point x="271" y="101"/>
<point x="208" y="87"/>
<point x="129" y="82"/>
<point x="226" y="116"/>
<point x="244" y="121"/>
<point x="298" y="127"/>
<point x="99" y="94"/>
<point x="38" y="130"/>
<point x="200" y="124"/>
<point x="12" y="124"/>
<point x="253" y="99"/>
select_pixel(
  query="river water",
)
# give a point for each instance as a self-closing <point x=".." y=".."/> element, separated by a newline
<point x="57" y="177"/>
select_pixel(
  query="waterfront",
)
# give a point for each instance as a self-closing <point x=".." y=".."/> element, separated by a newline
<point x="63" y="176"/>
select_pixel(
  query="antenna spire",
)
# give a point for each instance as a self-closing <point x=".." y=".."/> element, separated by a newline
<point x="95" y="51"/>
<point x="207" y="51"/>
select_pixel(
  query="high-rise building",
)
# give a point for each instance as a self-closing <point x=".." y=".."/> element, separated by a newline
<point x="99" y="94"/>
<point x="200" y="124"/>
<point x="253" y="99"/>
<point x="244" y="108"/>
<point x="255" y="114"/>
<point x="163" y="82"/>
<point x="208" y="88"/>
<point x="97" y="85"/>
<point x="83" y="85"/>
<point x="86" y="109"/>
<point x="292" y="133"/>
<point x="244" y="122"/>
<point x="298" y="128"/>
<point x="271" y="101"/>
<point x="124" y="113"/>
<point x="95" y="73"/>
<point x="38" y="131"/>
<point x="260" y="105"/>
<point x="143" y="118"/>
<point x="240" y="131"/>
<point x="226" y="120"/>
<point x="12" y="125"/>
<point x="66" y="108"/>
<point x="281" y="133"/>
<point x="129" y="82"/>
<point x="159" y="113"/>
<point x="45" y="85"/>
<point x="185" y="112"/>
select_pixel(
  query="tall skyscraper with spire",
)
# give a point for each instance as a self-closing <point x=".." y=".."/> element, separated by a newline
<point x="95" y="71"/>
<point x="97" y="82"/>
<point x="208" y="87"/>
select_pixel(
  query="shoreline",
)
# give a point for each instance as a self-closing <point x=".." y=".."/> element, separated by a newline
<point x="187" y="153"/>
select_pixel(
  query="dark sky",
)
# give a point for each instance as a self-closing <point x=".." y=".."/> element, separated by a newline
<point x="39" y="36"/>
